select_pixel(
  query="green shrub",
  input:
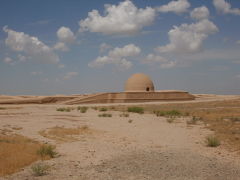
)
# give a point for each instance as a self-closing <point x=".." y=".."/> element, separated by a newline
<point x="168" y="113"/>
<point x="39" y="169"/>
<point x="82" y="109"/>
<point x="64" y="109"/>
<point x="47" y="151"/>
<point x="212" y="141"/>
<point x="105" y="115"/>
<point x="193" y="120"/>
<point x="139" y="110"/>
<point x="124" y="115"/>
<point x="103" y="109"/>
<point x="2" y="108"/>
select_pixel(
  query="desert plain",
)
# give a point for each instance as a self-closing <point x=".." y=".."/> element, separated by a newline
<point x="107" y="142"/>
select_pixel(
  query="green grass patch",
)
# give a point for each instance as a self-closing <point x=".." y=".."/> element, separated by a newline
<point x="135" y="109"/>
<point x="82" y="109"/>
<point x="102" y="109"/>
<point x="63" y="109"/>
<point x="170" y="113"/>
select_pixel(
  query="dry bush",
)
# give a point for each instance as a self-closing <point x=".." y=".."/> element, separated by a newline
<point x="47" y="151"/>
<point x="212" y="141"/>
<point x="63" y="134"/>
<point x="40" y="169"/>
<point x="16" y="152"/>
<point x="105" y="115"/>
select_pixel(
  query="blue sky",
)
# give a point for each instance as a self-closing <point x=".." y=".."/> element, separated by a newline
<point x="74" y="47"/>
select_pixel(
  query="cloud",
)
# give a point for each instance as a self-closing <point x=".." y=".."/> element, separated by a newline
<point x="8" y="60"/>
<point x="31" y="46"/>
<point x="61" y="46"/>
<point x="153" y="59"/>
<point x="69" y="75"/>
<point x="65" y="37"/>
<point x="122" y="19"/>
<point x="200" y="13"/>
<point x="179" y="6"/>
<point x="238" y="41"/>
<point x="224" y="7"/>
<point x="22" y="58"/>
<point x="35" y="73"/>
<point x="188" y="38"/>
<point x="117" y="57"/>
<point x="104" y="46"/>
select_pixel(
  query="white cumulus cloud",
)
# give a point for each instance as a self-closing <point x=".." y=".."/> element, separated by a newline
<point x="188" y="38"/>
<point x="8" y="60"/>
<point x="31" y="46"/>
<point x="224" y="7"/>
<point x="200" y="13"/>
<point x="179" y="6"/>
<point x="153" y="59"/>
<point x="124" y="19"/>
<point x="104" y="46"/>
<point x="117" y="56"/>
<point x="65" y="37"/>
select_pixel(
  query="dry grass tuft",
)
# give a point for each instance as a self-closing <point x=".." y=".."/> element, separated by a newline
<point x="39" y="169"/>
<point x="16" y="152"/>
<point x="212" y="141"/>
<point x="63" y="134"/>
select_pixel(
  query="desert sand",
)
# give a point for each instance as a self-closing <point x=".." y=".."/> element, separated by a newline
<point x="147" y="147"/>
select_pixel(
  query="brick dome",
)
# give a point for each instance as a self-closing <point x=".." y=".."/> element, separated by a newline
<point x="139" y="83"/>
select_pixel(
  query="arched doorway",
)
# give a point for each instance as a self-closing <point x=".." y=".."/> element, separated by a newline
<point x="147" y="89"/>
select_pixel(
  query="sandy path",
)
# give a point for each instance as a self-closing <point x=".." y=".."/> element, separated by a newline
<point x="147" y="148"/>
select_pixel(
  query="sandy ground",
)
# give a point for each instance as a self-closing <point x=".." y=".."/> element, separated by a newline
<point x="147" y="148"/>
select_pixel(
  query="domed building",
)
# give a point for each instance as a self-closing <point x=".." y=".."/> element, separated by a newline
<point x="138" y="88"/>
<point x="139" y="83"/>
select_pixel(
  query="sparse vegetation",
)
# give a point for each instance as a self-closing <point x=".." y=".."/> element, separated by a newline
<point x="103" y="109"/>
<point x="95" y="108"/>
<point x="16" y="152"/>
<point x="170" y="119"/>
<point x="39" y="169"/>
<point x="170" y="113"/>
<point x="222" y="117"/>
<point x="212" y="141"/>
<point x="124" y="115"/>
<point x="138" y="110"/>
<point x="105" y="115"/>
<point x="82" y="109"/>
<point x="193" y="120"/>
<point x="130" y="121"/>
<point x="63" y="109"/>
<point x="47" y="151"/>
<point x="2" y="108"/>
